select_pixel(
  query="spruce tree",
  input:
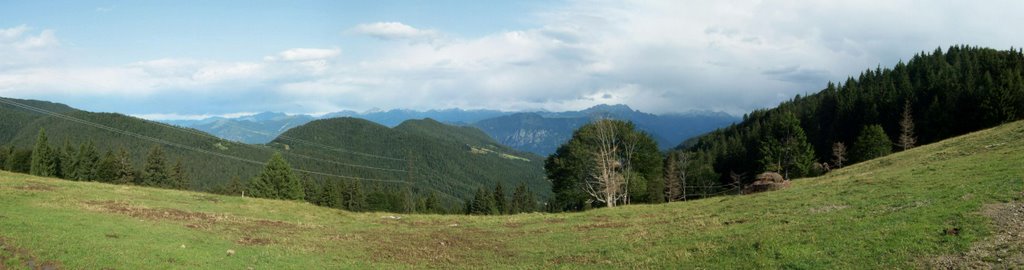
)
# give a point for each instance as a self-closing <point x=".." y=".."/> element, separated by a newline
<point x="500" y="203"/>
<point x="87" y="159"/>
<point x="107" y="168"/>
<point x="155" y="173"/>
<point x="45" y="161"/>
<point x="125" y="173"/>
<point x="431" y="205"/>
<point x="311" y="189"/>
<point x="277" y="181"/>
<point x="871" y="143"/>
<point x="785" y="149"/>
<point x="234" y="186"/>
<point x="4" y="153"/>
<point x="522" y="200"/>
<point x="69" y="161"/>
<point x="178" y="179"/>
<point x="483" y="203"/>
<point x="331" y="195"/>
<point x="355" y="199"/>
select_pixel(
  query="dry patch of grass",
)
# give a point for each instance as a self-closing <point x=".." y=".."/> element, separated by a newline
<point x="1002" y="250"/>
<point x="11" y="254"/>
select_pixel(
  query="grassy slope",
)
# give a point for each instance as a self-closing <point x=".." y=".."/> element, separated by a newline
<point x="886" y="213"/>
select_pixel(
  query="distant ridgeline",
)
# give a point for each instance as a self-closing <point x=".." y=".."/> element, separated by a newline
<point x="949" y="93"/>
<point x="419" y="157"/>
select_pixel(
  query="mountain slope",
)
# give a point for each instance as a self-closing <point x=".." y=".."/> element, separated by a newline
<point x="542" y="133"/>
<point x="442" y="157"/>
<point x="433" y="156"/>
<point x="912" y="209"/>
<point x="254" y="129"/>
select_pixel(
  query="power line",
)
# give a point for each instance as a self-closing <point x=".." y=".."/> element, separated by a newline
<point x="282" y="136"/>
<point x="169" y="143"/>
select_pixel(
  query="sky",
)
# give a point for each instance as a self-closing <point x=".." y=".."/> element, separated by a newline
<point x="192" y="59"/>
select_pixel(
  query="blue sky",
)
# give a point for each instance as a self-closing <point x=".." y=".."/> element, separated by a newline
<point x="175" y="59"/>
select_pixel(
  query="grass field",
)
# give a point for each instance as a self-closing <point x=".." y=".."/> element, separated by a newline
<point x="931" y="206"/>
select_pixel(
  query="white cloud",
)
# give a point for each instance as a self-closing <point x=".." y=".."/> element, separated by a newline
<point x="305" y="54"/>
<point x="657" y="56"/>
<point x="393" y="31"/>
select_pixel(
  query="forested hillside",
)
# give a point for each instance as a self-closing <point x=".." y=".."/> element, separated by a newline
<point x="443" y="161"/>
<point x="430" y="155"/>
<point x="933" y="96"/>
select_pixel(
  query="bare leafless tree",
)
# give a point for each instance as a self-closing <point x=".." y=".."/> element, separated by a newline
<point x="608" y="181"/>
<point x="675" y="176"/>
<point x="907" y="138"/>
<point x="838" y="154"/>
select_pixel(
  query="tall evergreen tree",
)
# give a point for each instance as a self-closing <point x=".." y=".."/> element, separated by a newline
<point x="87" y="160"/>
<point x="483" y="203"/>
<point x="125" y="173"/>
<point x="432" y="205"/>
<point x="355" y="199"/>
<point x="5" y="153"/>
<point x="522" y="200"/>
<point x="45" y="161"/>
<point x="155" y="172"/>
<point x="310" y="188"/>
<point x="331" y="195"/>
<point x="178" y="178"/>
<point x="69" y="161"/>
<point x="20" y="161"/>
<point x="235" y="186"/>
<point x="500" y="202"/>
<point x="107" y="169"/>
<point x="871" y="143"/>
<point x="785" y="148"/>
<point x="277" y="181"/>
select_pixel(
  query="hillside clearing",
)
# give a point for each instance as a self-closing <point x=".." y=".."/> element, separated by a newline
<point x="900" y="211"/>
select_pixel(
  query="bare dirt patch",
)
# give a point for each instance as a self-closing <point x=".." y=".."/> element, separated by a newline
<point x="193" y="220"/>
<point x="9" y="252"/>
<point x="827" y="208"/>
<point x="254" y="241"/>
<point x="1004" y="249"/>
<point x="601" y="225"/>
<point x="438" y="248"/>
<point x="32" y="186"/>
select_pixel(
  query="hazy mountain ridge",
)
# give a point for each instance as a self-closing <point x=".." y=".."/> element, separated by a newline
<point x="535" y="132"/>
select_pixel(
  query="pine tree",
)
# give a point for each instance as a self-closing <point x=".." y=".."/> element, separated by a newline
<point x="107" y="168"/>
<point x="522" y="200"/>
<point x="355" y="199"/>
<point x="871" y="143"/>
<point x="69" y="161"/>
<point x="5" y="153"/>
<point x="45" y="161"/>
<point x="785" y="148"/>
<point x="311" y="189"/>
<point x="277" y="181"/>
<point x="87" y="159"/>
<point x="125" y="173"/>
<point x="234" y="186"/>
<point x="500" y="203"/>
<point x="907" y="138"/>
<point x="331" y="195"/>
<point x="483" y="203"/>
<point x="431" y="205"/>
<point x="178" y="179"/>
<point x="155" y="173"/>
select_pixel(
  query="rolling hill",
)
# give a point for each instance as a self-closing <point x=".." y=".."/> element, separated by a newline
<point x="429" y="148"/>
<point x="536" y="132"/>
<point x="951" y="204"/>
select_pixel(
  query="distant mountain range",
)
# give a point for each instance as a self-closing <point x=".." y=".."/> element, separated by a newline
<point x="537" y="132"/>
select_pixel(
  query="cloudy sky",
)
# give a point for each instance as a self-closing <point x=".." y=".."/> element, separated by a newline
<point x="174" y="59"/>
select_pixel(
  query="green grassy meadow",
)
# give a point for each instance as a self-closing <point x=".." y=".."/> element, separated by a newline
<point x="892" y="212"/>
